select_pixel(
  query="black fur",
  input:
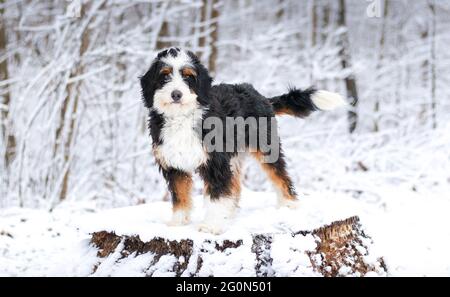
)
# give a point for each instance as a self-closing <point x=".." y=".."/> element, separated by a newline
<point x="155" y="124"/>
<point x="216" y="174"/>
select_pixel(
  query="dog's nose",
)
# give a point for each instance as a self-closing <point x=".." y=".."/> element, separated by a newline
<point x="176" y="95"/>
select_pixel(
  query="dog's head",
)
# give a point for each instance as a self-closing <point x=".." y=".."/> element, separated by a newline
<point x="176" y="83"/>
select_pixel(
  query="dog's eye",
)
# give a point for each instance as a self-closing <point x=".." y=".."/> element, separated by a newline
<point x="166" y="71"/>
<point x="188" y="72"/>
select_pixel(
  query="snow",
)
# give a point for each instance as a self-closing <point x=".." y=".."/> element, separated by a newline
<point x="55" y="244"/>
<point x="232" y="262"/>
<point x="295" y="262"/>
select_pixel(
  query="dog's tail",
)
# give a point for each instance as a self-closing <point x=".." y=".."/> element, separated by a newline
<point x="302" y="103"/>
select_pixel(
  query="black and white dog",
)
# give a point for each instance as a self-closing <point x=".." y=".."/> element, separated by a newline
<point x="179" y="93"/>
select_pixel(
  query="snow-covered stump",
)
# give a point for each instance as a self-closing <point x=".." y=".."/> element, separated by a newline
<point x="339" y="249"/>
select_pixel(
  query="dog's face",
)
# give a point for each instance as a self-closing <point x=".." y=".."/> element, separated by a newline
<point x="176" y="83"/>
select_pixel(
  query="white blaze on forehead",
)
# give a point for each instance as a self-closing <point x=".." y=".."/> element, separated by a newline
<point x="181" y="60"/>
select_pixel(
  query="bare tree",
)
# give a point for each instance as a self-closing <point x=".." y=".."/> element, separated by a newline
<point x="432" y="7"/>
<point x="313" y="35"/>
<point x="424" y="35"/>
<point x="6" y="128"/>
<point x="314" y="22"/>
<point x="326" y="15"/>
<point x="325" y="20"/>
<point x="208" y="42"/>
<point x="214" y="36"/>
<point x="69" y="109"/>
<point x="350" y="80"/>
<point x="280" y="10"/>
<point x="380" y="61"/>
<point x="163" y="33"/>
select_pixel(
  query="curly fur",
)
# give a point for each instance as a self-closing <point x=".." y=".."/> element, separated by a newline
<point x="177" y="131"/>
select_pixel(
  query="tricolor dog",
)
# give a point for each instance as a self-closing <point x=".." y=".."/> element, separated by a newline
<point x="183" y="102"/>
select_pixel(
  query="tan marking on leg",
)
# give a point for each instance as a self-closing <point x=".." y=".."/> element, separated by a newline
<point x="183" y="188"/>
<point x="280" y="181"/>
<point x="236" y="185"/>
<point x="236" y="189"/>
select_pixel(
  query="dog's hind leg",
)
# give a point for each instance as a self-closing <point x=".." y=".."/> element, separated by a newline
<point x="280" y="179"/>
<point x="180" y="187"/>
<point x="236" y="167"/>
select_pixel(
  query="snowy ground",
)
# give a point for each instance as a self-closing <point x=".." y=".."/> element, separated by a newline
<point x="409" y="232"/>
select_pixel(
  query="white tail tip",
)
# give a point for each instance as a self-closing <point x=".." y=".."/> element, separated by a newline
<point x="325" y="100"/>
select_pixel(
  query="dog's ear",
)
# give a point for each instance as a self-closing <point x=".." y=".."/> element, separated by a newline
<point x="204" y="79"/>
<point x="149" y="83"/>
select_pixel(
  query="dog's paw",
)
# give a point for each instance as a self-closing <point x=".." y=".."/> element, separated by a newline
<point x="211" y="228"/>
<point x="179" y="218"/>
<point x="291" y="204"/>
<point x="219" y="212"/>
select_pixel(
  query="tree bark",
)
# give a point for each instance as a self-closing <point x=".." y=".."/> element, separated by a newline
<point x="350" y="81"/>
<point x="432" y="7"/>
<point x="214" y="38"/>
<point x="6" y="129"/>
<point x="70" y="104"/>
<point x="325" y="21"/>
<point x="313" y="37"/>
<point x="209" y="14"/>
<point x="280" y="10"/>
<point x="341" y="249"/>
<point x="163" y="33"/>
<point x="380" y="63"/>
<point x="314" y="23"/>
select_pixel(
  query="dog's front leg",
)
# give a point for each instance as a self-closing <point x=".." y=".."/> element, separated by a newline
<point x="180" y="187"/>
<point x="221" y="200"/>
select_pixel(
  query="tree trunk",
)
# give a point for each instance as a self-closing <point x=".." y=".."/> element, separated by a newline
<point x="280" y="10"/>
<point x="214" y="38"/>
<point x="324" y="32"/>
<point x="203" y="18"/>
<point x="325" y="21"/>
<point x="70" y="104"/>
<point x="5" y="121"/>
<point x="163" y="33"/>
<point x="209" y="15"/>
<point x="339" y="249"/>
<point x="431" y="5"/>
<point x="425" y="72"/>
<point x="313" y="37"/>
<point x="350" y="81"/>
<point x="380" y="63"/>
<point x="314" y="23"/>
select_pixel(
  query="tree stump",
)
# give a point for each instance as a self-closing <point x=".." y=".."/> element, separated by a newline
<point x="339" y="249"/>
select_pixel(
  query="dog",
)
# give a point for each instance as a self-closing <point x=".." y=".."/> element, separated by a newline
<point x="181" y="97"/>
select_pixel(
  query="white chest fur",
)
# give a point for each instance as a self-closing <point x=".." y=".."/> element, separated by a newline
<point x="181" y="145"/>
